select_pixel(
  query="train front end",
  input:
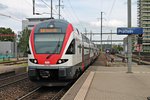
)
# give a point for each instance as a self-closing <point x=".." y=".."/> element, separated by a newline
<point x="48" y="44"/>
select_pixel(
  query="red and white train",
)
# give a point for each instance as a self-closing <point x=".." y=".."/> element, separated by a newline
<point x="58" y="53"/>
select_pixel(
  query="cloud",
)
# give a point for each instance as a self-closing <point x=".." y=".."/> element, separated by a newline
<point x="40" y="5"/>
<point x="116" y="23"/>
<point x="2" y="6"/>
<point x="85" y="11"/>
<point x="95" y="28"/>
<point x="112" y="23"/>
<point x="95" y="25"/>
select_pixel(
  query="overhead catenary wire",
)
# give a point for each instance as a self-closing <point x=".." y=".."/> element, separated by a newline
<point x="68" y="14"/>
<point x="112" y="8"/>
<point x="109" y="16"/>
<point x="10" y="17"/>
<point x="45" y="3"/>
<point x="59" y="6"/>
<point x="27" y="2"/>
<point x="10" y="14"/>
<point x="50" y="7"/>
<point x="75" y="14"/>
<point x="110" y="12"/>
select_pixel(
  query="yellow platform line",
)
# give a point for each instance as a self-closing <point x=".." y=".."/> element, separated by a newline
<point x="84" y="89"/>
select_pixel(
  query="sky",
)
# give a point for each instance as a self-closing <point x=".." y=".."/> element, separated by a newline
<point x="81" y="13"/>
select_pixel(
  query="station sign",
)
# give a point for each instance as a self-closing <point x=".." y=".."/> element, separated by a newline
<point x="128" y="31"/>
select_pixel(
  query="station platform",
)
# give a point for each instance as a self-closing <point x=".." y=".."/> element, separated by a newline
<point x="16" y="69"/>
<point x="19" y="68"/>
<point x="13" y="68"/>
<point x="111" y="83"/>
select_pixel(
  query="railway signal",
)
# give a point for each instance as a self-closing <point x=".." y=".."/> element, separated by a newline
<point x="140" y="39"/>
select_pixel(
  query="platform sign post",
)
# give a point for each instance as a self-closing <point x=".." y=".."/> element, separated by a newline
<point x="129" y="39"/>
<point x="129" y="32"/>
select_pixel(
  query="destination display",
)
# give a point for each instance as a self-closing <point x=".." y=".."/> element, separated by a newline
<point x="50" y="30"/>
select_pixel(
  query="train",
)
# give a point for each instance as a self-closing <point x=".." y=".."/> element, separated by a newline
<point x="58" y="53"/>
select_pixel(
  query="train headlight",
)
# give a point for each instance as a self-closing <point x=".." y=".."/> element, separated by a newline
<point x="60" y="61"/>
<point x="34" y="61"/>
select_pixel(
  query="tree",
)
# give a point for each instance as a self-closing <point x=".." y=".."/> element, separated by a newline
<point x="118" y="48"/>
<point x="24" y="41"/>
<point x="6" y="34"/>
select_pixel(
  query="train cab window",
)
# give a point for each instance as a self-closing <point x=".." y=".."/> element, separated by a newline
<point x="71" y="48"/>
<point x="48" y="43"/>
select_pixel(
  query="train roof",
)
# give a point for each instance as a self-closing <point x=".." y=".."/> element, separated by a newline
<point x="56" y="20"/>
<point x="59" y="23"/>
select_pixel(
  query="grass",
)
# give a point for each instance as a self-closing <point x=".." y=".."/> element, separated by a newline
<point x="1" y="60"/>
<point x="24" y="64"/>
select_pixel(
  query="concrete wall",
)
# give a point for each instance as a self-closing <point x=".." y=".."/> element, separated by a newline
<point x="8" y="48"/>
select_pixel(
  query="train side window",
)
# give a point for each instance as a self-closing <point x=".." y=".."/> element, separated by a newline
<point x="80" y="48"/>
<point x="84" y="38"/>
<point x="71" y="48"/>
<point x="77" y="30"/>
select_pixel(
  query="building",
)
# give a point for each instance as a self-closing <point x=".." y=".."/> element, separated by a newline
<point x="144" y="22"/>
<point x="30" y="22"/>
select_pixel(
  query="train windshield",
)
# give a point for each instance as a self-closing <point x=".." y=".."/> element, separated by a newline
<point x="48" y="43"/>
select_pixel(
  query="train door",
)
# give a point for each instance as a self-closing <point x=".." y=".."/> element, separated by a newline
<point x="86" y="54"/>
<point x="83" y="64"/>
<point x="90" y="57"/>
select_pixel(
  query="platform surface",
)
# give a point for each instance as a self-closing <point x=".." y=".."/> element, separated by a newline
<point x="112" y="83"/>
<point x="9" y="68"/>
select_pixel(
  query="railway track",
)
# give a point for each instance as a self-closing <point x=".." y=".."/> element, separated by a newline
<point x="60" y="94"/>
<point x="12" y="79"/>
<point x="135" y="59"/>
<point x="19" y="87"/>
<point x="45" y="93"/>
<point x="30" y="94"/>
<point x="16" y="89"/>
<point x="7" y="74"/>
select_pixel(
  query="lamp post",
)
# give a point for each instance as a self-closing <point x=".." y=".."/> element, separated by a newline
<point x="51" y="9"/>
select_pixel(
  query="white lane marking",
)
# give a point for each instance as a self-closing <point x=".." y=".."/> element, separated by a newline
<point x="134" y="72"/>
<point x="84" y="89"/>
